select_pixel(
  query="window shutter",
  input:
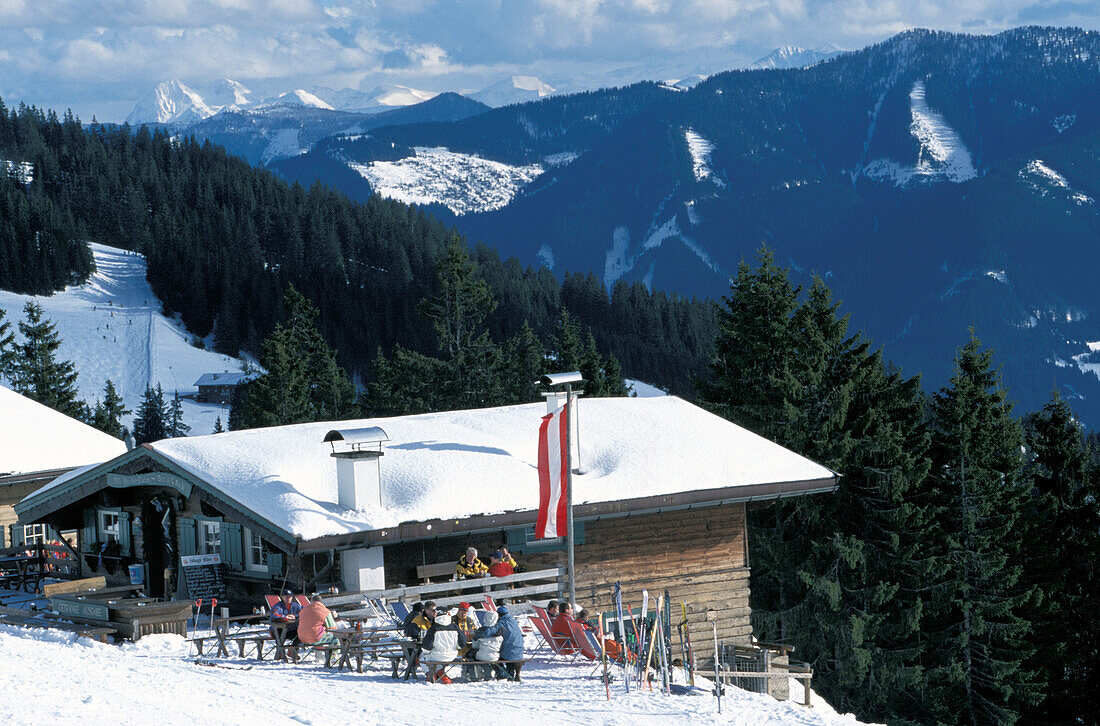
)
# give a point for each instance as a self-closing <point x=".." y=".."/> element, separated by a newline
<point x="124" y="534"/>
<point x="88" y="536"/>
<point x="274" y="563"/>
<point x="187" y="535"/>
<point x="232" y="550"/>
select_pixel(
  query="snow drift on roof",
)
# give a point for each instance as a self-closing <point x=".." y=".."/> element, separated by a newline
<point x="464" y="463"/>
<point x="34" y="438"/>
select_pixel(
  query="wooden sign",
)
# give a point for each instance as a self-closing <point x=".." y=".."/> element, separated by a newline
<point x="204" y="576"/>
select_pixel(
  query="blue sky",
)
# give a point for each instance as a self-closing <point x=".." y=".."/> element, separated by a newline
<point x="100" y="56"/>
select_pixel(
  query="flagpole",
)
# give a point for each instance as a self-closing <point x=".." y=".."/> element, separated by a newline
<point x="569" y="495"/>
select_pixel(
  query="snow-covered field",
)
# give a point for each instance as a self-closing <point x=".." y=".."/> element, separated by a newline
<point x="112" y="327"/>
<point x="942" y="157"/>
<point x="461" y="182"/>
<point x="54" y="678"/>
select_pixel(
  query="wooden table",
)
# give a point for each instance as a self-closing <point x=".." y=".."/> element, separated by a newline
<point x="222" y="625"/>
<point x="347" y="637"/>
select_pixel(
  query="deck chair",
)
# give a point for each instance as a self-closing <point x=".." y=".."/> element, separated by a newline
<point x="557" y="644"/>
<point x="401" y="610"/>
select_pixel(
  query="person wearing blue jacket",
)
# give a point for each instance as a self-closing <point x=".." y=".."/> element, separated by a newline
<point x="511" y="645"/>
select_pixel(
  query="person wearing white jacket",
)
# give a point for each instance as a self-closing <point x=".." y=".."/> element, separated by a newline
<point x="488" y="649"/>
<point x="440" y="645"/>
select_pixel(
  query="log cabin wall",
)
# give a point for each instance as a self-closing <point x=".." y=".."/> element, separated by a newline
<point x="698" y="555"/>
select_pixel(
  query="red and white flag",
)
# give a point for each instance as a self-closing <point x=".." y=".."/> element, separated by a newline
<point x="553" y="472"/>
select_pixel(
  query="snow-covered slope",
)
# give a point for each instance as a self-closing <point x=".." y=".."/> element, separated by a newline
<point x="112" y="327"/>
<point x="461" y="182"/>
<point x="171" y="102"/>
<point x="514" y="89"/>
<point x="942" y="157"/>
<point x="134" y="683"/>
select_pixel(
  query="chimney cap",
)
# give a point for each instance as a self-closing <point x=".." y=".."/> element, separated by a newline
<point x="560" y="379"/>
<point x="354" y="437"/>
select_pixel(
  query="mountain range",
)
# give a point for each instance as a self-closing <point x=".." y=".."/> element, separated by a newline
<point x="937" y="182"/>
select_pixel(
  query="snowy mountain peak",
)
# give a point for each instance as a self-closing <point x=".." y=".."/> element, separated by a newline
<point x="793" y="56"/>
<point x="514" y="89"/>
<point x="170" y="102"/>
<point x="298" y="97"/>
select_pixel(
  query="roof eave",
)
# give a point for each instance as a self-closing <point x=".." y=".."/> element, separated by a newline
<point x="431" y="529"/>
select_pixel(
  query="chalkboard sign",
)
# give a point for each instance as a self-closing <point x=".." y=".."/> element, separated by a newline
<point x="205" y="578"/>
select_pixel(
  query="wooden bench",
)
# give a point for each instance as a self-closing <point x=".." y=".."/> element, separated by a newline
<point x="462" y="663"/>
<point x="425" y="573"/>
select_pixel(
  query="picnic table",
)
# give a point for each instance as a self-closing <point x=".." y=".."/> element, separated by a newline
<point x="370" y="641"/>
<point x="16" y="570"/>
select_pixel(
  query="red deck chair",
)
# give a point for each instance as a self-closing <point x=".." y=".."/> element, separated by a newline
<point x="557" y="644"/>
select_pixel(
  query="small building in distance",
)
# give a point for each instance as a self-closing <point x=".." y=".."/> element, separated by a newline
<point x="38" y="444"/>
<point x="221" y="388"/>
<point x="659" y="503"/>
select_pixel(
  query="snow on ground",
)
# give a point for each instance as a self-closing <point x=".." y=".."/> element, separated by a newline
<point x="701" y="150"/>
<point x="1040" y="177"/>
<point x="461" y="182"/>
<point x="112" y="327"/>
<point x="55" y="678"/>
<point x="641" y="389"/>
<point x="942" y="157"/>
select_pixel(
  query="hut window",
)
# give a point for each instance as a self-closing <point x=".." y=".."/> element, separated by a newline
<point x="211" y="540"/>
<point x="257" y="559"/>
<point x="108" y="525"/>
<point x="34" y="533"/>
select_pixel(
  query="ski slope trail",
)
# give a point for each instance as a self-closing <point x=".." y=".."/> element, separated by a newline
<point x="112" y="327"/>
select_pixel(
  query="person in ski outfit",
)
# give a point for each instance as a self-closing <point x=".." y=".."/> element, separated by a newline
<point x="487" y="650"/>
<point x="441" y="644"/>
<point x="511" y="644"/>
<point x="470" y="566"/>
<point x="314" y="622"/>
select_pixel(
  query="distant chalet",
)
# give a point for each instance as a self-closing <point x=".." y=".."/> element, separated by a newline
<point x="660" y="502"/>
<point x="221" y="388"/>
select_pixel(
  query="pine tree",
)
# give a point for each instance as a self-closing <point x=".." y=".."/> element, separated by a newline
<point x="977" y="631"/>
<point x="175" y="423"/>
<point x="7" y="349"/>
<point x="1063" y="538"/>
<point x="151" y="420"/>
<point x="37" y="372"/>
<point x="108" y="413"/>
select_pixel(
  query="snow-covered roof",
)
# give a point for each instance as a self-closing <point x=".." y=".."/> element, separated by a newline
<point x="223" y="379"/>
<point x="36" y="438"/>
<point x="460" y="464"/>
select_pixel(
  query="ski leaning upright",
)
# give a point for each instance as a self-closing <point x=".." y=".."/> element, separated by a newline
<point x="622" y="634"/>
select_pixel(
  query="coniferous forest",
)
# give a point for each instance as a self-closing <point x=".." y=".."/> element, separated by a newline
<point x="951" y="578"/>
<point x="224" y="242"/>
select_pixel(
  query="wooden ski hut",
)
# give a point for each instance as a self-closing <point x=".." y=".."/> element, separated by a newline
<point x="659" y="502"/>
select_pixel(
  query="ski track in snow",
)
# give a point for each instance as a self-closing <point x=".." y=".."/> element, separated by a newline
<point x="155" y="681"/>
<point x="942" y="157"/>
<point x="461" y="182"/>
<point x="111" y="327"/>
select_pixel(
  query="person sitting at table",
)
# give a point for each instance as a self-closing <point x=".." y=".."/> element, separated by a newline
<point x="466" y="620"/>
<point x="422" y="622"/>
<point x="486" y="650"/>
<point x="511" y="645"/>
<point x="314" y="622"/>
<point x="470" y="566"/>
<point x="440" y="645"/>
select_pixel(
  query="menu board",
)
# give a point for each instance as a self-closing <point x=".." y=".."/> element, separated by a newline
<point x="204" y="576"/>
